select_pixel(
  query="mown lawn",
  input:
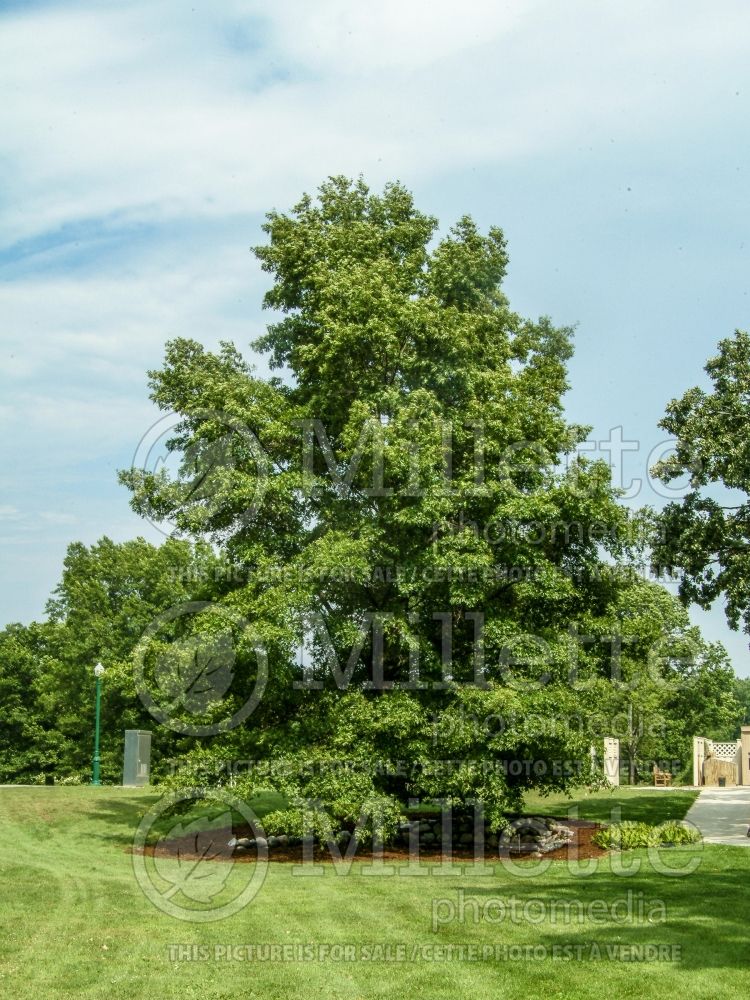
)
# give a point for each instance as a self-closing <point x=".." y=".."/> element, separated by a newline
<point x="74" y="923"/>
<point x="647" y="805"/>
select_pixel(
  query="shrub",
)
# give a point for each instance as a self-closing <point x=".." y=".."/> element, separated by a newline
<point x="379" y="815"/>
<point x="346" y="793"/>
<point x="674" y="832"/>
<point x="628" y="835"/>
<point x="294" y="823"/>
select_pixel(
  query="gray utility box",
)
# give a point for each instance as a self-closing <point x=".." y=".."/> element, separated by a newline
<point x="137" y="767"/>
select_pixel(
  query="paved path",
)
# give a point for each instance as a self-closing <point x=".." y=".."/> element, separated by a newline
<point x="722" y="815"/>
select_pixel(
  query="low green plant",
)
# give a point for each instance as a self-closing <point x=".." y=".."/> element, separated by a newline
<point x="673" y="832"/>
<point x="294" y="823"/>
<point x="72" y="779"/>
<point x="628" y="835"/>
<point x="378" y="815"/>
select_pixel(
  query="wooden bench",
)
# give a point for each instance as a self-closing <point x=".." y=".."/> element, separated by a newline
<point x="662" y="777"/>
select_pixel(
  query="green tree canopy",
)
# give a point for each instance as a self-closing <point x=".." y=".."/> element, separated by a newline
<point x="706" y="535"/>
<point x="401" y="521"/>
<point x="413" y="475"/>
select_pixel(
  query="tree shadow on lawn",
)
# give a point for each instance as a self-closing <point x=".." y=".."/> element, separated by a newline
<point x="705" y="913"/>
<point x="123" y="816"/>
<point x="647" y="807"/>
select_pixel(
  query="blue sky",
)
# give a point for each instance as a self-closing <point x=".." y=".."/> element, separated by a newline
<point x="141" y="143"/>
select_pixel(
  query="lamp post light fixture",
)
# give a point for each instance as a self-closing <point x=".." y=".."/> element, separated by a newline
<point x="98" y="672"/>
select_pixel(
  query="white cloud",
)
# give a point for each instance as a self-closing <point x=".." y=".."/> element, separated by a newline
<point x="345" y="39"/>
<point x="112" y="324"/>
<point x="148" y="111"/>
<point x="170" y="116"/>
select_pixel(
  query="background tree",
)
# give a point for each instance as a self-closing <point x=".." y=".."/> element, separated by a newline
<point x="706" y="536"/>
<point x="742" y="695"/>
<point x="665" y="683"/>
<point x="108" y="596"/>
<point x="29" y="742"/>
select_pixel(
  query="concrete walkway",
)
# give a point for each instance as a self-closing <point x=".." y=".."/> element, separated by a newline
<point x="722" y="815"/>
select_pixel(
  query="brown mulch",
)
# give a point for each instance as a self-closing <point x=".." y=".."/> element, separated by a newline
<point x="212" y="844"/>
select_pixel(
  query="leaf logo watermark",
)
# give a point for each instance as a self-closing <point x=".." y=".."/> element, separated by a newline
<point x="194" y="672"/>
<point x="187" y="668"/>
<point x="189" y="873"/>
<point x="197" y="881"/>
<point x="213" y="446"/>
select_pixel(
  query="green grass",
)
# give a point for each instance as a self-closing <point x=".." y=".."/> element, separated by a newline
<point x="73" y="922"/>
<point x="646" y="805"/>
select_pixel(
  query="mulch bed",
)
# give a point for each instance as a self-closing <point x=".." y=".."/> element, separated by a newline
<point x="212" y="845"/>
